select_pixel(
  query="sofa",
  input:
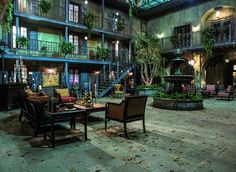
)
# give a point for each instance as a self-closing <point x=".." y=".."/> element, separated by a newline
<point x="65" y="96"/>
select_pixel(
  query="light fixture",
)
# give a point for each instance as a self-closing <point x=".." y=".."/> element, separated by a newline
<point x="117" y="42"/>
<point x="217" y="14"/>
<point x="97" y="72"/>
<point x="86" y="2"/>
<point x="86" y="38"/>
<point x="116" y="19"/>
<point x="191" y="62"/>
<point x="218" y="9"/>
<point x="2" y="51"/>
<point x="226" y="60"/>
<point x="117" y="13"/>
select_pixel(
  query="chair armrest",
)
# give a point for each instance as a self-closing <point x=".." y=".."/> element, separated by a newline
<point x="73" y="95"/>
<point x="115" y="110"/>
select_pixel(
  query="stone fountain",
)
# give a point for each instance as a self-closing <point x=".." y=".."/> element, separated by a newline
<point x="176" y="79"/>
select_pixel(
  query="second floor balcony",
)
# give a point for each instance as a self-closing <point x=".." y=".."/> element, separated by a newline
<point x="75" y="16"/>
<point x="39" y="48"/>
<point x="32" y="8"/>
<point x="223" y="36"/>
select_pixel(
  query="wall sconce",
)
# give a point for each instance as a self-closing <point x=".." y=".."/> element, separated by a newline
<point x="160" y="35"/>
<point x="217" y="14"/>
<point x="97" y="73"/>
<point x="117" y="13"/>
<point x="191" y="62"/>
<point x="86" y="38"/>
<point x="117" y="42"/>
<point x="226" y="60"/>
<point x="130" y="73"/>
<point x="86" y="2"/>
<point x="218" y="9"/>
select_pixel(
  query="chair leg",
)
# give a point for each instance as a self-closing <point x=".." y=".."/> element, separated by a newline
<point x="105" y="123"/>
<point x="20" y="116"/>
<point x="144" y="129"/>
<point x="125" y="129"/>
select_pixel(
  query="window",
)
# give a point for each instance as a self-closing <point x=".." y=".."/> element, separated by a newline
<point x="74" y="39"/>
<point x="183" y="34"/>
<point x="74" y="13"/>
<point x="222" y="30"/>
<point x="22" y="32"/>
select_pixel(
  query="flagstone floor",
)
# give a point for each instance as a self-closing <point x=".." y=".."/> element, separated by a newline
<point x="176" y="141"/>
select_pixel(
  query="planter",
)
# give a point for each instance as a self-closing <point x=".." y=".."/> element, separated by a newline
<point x="173" y="104"/>
<point x="148" y="91"/>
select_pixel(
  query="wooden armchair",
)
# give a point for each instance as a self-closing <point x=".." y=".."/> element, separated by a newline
<point x="129" y="110"/>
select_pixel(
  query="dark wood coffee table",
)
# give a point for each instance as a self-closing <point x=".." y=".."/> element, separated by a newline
<point x="65" y="115"/>
<point x="96" y="107"/>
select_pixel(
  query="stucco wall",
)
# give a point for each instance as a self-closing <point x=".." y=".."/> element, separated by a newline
<point x="164" y="25"/>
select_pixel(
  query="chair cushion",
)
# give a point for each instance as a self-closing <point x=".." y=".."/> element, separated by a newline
<point x="30" y="93"/>
<point x="210" y="88"/>
<point x="66" y="99"/>
<point x="223" y="94"/>
<point x="63" y="92"/>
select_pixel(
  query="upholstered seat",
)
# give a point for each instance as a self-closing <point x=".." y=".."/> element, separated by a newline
<point x="226" y="94"/>
<point x="65" y="96"/>
<point x="118" y="90"/>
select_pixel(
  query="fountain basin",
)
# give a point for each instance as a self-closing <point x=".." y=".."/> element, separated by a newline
<point x="173" y="104"/>
<point x="178" y="78"/>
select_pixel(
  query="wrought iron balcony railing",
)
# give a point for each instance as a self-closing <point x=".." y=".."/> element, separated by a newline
<point x="193" y="40"/>
<point x="111" y="25"/>
<point x="32" y="8"/>
<point x="52" y="49"/>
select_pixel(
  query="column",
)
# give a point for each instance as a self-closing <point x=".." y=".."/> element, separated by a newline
<point x="67" y="10"/>
<point x="66" y="33"/>
<point x="130" y="51"/>
<point x="104" y="73"/>
<point x="102" y="44"/>
<point x="117" y="70"/>
<point x="67" y="73"/>
<point x="17" y="31"/>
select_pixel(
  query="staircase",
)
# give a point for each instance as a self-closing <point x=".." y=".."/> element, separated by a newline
<point x="106" y="85"/>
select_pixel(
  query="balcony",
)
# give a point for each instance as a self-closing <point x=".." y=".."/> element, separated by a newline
<point x="40" y="48"/>
<point x="111" y="26"/>
<point x="192" y="40"/>
<point x="32" y="8"/>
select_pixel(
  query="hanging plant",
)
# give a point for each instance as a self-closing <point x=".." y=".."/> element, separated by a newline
<point x="9" y="15"/>
<point x="44" y="6"/>
<point x="208" y="40"/>
<point x="67" y="47"/>
<point x="103" y="53"/>
<point x="22" y="42"/>
<point x="120" y="25"/>
<point x="89" y="22"/>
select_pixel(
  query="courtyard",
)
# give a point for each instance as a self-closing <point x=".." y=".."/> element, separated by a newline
<point x="175" y="141"/>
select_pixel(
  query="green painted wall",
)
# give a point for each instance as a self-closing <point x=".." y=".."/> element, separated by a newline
<point x="50" y="35"/>
<point x="165" y="24"/>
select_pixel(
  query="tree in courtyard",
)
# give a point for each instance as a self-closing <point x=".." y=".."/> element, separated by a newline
<point x="148" y="56"/>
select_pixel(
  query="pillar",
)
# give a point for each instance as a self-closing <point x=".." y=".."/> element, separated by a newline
<point x="67" y="73"/>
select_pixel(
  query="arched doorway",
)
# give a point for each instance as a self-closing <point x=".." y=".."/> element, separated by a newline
<point x="215" y="70"/>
